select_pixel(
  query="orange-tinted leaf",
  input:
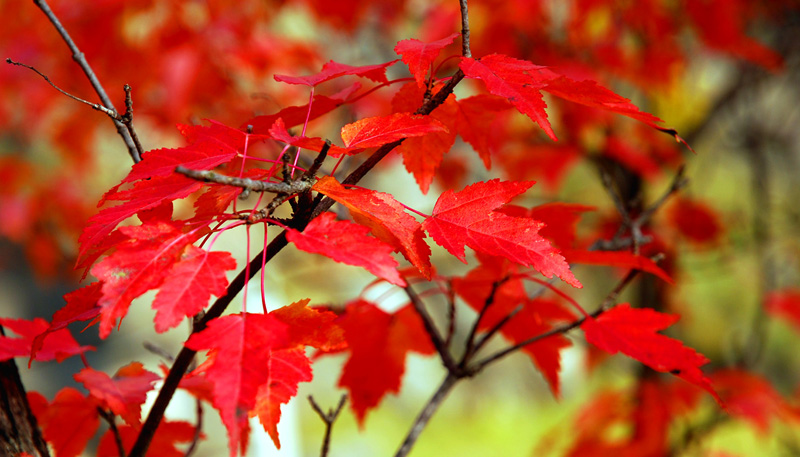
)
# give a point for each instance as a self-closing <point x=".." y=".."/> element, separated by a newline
<point x="310" y="326"/>
<point x="332" y="70"/>
<point x="240" y="347"/>
<point x="465" y="218"/>
<point x="377" y="131"/>
<point x="68" y="423"/>
<point x="57" y="345"/>
<point x="378" y="343"/>
<point x="348" y="243"/>
<point x="189" y="284"/>
<point x="632" y="331"/>
<point x="623" y="259"/>
<point x="385" y="217"/>
<point x="419" y="56"/>
<point x="124" y="394"/>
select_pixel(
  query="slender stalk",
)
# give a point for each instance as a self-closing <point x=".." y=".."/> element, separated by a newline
<point x="425" y="415"/>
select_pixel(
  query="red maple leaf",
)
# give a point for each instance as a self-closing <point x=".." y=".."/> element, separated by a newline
<point x="753" y="398"/>
<point x="310" y="326"/>
<point x="55" y="345"/>
<point x="189" y="284"/>
<point x="68" y="423"/>
<point x="419" y="56"/>
<point x="372" y="132"/>
<point x="81" y="305"/>
<point x="465" y="218"/>
<point x="348" y="243"/>
<point x="385" y="217"/>
<point x="422" y="155"/>
<point x="632" y="331"/>
<point x="332" y="70"/>
<point x="378" y="343"/>
<point x="138" y="265"/>
<point x="163" y="445"/>
<point x="240" y="347"/>
<point x="559" y="220"/>
<point x="124" y="394"/>
<point x="622" y="259"/>
<point x="476" y="123"/>
<point x="279" y="132"/>
<point x="296" y="115"/>
<point x="287" y="368"/>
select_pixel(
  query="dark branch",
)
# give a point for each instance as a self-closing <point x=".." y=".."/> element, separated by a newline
<point x="109" y="417"/>
<point x="329" y="418"/>
<point x="293" y="187"/>
<point x="80" y="59"/>
<point x="425" y="415"/>
<point x="430" y="328"/>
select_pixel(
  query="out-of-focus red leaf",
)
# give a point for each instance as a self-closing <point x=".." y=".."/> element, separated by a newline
<point x="378" y="343"/>
<point x="168" y="434"/>
<point x="240" y="347"/>
<point x="465" y="218"/>
<point x="751" y="397"/>
<point x="377" y="131"/>
<point x="785" y="304"/>
<point x="189" y="284"/>
<point x="279" y="132"/>
<point x="476" y="123"/>
<point x="695" y="221"/>
<point x="385" y="217"/>
<point x="332" y="70"/>
<point x="348" y="243"/>
<point x="419" y="56"/>
<point x="623" y="259"/>
<point x="632" y="331"/>
<point x="58" y="344"/>
<point x="296" y="115"/>
<point x="68" y="423"/>
<point x="124" y="394"/>
<point x="559" y="220"/>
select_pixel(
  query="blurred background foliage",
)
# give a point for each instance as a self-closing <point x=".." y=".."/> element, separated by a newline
<point x="724" y="73"/>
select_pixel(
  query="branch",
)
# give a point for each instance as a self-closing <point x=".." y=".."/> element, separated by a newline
<point x="80" y="59"/>
<point x="292" y="187"/>
<point x="425" y="415"/>
<point x="329" y="419"/>
<point x="471" y="338"/>
<point x="109" y="417"/>
<point x="430" y="328"/>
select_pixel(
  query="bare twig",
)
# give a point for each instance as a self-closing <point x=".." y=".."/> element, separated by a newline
<point x="451" y="315"/>
<point x="329" y="418"/>
<point x="127" y="119"/>
<point x="430" y="328"/>
<point x="109" y="417"/>
<point x="472" y="331"/>
<point x="198" y="428"/>
<point x="465" y="51"/>
<point x="294" y="187"/>
<point x="157" y="350"/>
<point x="80" y="59"/>
<point x="678" y="182"/>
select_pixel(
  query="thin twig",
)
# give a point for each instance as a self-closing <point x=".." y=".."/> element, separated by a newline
<point x="451" y="314"/>
<point x="472" y="331"/>
<point x="425" y="415"/>
<point x="678" y="182"/>
<point x="127" y="119"/>
<point x="499" y="325"/>
<point x="80" y="59"/>
<point x="465" y="50"/>
<point x="604" y="305"/>
<point x="329" y="418"/>
<point x="109" y="417"/>
<point x="430" y="328"/>
<point x="294" y="187"/>
<point x="198" y="428"/>
<point x="157" y="350"/>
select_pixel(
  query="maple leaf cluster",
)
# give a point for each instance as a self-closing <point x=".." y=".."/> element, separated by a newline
<point x="534" y="111"/>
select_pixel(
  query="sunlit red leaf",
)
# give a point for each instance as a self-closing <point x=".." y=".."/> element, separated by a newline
<point x="385" y="217"/>
<point x="377" y="131"/>
<point x="419" y="56"/>
<point x="348" y="243"/>
<point x="310" y="326"/>
<point x="240" y="347"/>
<point x="466" y="218"/>
<point x="476" y="123"/>
<point x="189" y="284"/>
